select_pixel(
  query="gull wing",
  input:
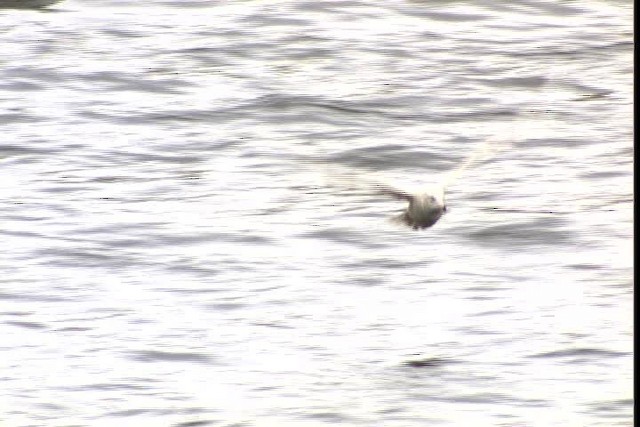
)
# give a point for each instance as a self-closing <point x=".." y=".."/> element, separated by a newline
<point x="388" y="190"/>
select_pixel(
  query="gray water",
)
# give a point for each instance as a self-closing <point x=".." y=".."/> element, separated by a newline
<point x="176" y="251"/>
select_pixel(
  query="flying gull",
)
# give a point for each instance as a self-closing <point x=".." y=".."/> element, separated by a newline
<point x="425" y="207"/>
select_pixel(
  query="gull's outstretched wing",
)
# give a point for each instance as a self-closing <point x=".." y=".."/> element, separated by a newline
<point x="392" y="191"/>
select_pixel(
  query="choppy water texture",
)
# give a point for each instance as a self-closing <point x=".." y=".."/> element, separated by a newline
<point x="179" y="246"/>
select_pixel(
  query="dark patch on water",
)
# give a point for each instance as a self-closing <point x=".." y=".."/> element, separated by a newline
<point x="491" y="313"/>
<point x="343" y="235"/>
<point x="325" y="6"/>
<point x="30" y="297"/>
<point x="125" y="81"/>
<point x="226" y="306"/>
<point x="382" y="263"/>
<point x="543" y="231"/>
<point x="195" y="423"/>
<point x="329" y="417"/>
<point x="445" y="16"/>
<point x="27" y="4"/>
<point x="179" y="240"/>
<point x="585" y="266"/>
<point x="130" y="412"/>
<point x="116" y="386"/>
<point x="595" y="175"/>
<point x="28" y="325"/>
<point x="390" y="156"/>
<point x="613" y="408"/>
<point x="192" y="291"/>
<point x="272" y="325"/>
<point x="168" y="356"/>
<point x="74" y="329"/>
<point x="274" y="21"/>
<point x="20" y="118"/>
<point x="531" y="82"/>
<point x="578" y="352"/>
<point x="16" y="313"/>
<point x="429" y="362"/>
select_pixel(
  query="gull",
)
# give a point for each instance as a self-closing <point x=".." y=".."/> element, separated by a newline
<point x="425" y="206"/>
<point x="426" y="203"/>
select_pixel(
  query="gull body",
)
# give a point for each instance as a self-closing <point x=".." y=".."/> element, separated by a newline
<point x="423" y="211"/>
<point x="425" y="207"/>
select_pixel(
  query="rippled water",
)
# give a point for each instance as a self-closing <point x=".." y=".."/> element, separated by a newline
<point x="184" y="244"/>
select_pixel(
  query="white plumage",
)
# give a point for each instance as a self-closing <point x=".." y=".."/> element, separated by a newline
<point x="425" y="207"/>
